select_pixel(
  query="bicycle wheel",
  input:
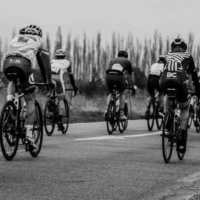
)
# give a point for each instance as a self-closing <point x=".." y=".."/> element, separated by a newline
<point x="65" y="117"/>
<point x="190" y="121"/>
<point x="167" y="139"/>
<point x="159" y="119"/>
<point x="150" y="119"/>
<point x="49" y="117"/>
<point x="37" y="130"/>
<point x="181" y="155"/>
<point x="110" y="123"/>
<point x="9" y="139"/>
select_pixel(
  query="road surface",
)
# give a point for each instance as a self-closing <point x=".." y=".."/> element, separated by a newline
<point x="88" y="164"/>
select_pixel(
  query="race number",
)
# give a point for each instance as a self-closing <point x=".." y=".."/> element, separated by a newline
<point x="117" y="67"/>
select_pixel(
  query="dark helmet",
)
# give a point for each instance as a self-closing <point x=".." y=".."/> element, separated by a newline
<point x="180" y="43"/>
<point x="31" y="29"/>
<point x="161" y="58"/>
<point x="122" y="54"/>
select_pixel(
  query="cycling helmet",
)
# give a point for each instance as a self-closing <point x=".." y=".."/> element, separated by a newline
<point x="180" y="43"/>
<point x="60" y="53"/>
<point x="161" y="58"/>
<point x="31" y="29"/>
<point x="122" y="54"/>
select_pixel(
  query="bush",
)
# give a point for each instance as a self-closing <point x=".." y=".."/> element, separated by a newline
<point x="140" y="78"/>
<point x="92" y="88"/>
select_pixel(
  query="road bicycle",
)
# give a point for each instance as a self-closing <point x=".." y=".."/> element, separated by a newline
<point x="171" y="128"/>
<point x="51" y="115"/>
<point x="152" y="113"/>
<point x="13" y="125"/>
<point x="113" y="113"/>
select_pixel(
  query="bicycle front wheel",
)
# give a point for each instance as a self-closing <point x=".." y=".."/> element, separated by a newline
<point x="9" y="139"/>
<point x="110" y="123"/>
<point x="65" y="117"/>
<point x="167" y="139"/>
<point x="150" y="118"/>
<point x="37" y="130"/>
<point x="49" y="117"/>
<point x="159" y="119"/>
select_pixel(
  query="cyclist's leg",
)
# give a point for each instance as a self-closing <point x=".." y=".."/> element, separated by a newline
<point x="27" y="87"/>
<point x="10" y="91"/>
<point x="60" y="91"/>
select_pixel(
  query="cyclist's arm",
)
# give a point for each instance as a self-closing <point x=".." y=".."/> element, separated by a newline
<point x="131" y="76"/>
<point x="194" y="74"/>
<point x="71" y="77"/>
<point x="44" y="64"/>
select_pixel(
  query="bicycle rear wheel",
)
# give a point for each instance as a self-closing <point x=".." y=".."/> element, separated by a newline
<point x="167" y="139"/>
<point x="159" y="119"/>
<point x="150" y="118"/>
<point x="49" y="117"/>
<point x="181" y="155"/>
<point x="9" y="139"/>
<point x="110" y="123"/>
<point x="37" y="131"/>
<point x="65" y="117"/>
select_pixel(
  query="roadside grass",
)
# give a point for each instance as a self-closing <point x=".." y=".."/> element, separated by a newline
<point x="87" y="109"/>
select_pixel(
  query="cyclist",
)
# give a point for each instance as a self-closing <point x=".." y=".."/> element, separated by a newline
<point x="20" y="58"/>
<point x="174" y="76"/>
<point x="155" y="73"/>
<point x="119" y="73"/>
<point x="61" y="68"/>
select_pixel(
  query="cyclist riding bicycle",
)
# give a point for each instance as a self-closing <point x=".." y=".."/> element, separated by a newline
<point x="61" y="68"/>
<point x="119" y="74"/>
<point x="20" y="58"/>
<point x="155" y="73"/>
<point x="174" y="76"/>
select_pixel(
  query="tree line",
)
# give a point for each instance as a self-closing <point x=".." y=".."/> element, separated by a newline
<point x="91" y="57"/>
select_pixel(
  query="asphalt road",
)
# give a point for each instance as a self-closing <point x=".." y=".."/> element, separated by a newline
<point x="88" y="164"/>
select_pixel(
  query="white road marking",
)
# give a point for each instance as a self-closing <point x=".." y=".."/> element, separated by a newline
<point x="113" y="137"/>
<point x="191" y="178"/>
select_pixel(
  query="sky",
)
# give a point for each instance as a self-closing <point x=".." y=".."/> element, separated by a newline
<point x="139" y="17"/>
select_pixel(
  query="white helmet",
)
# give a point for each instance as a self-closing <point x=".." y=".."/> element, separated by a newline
<point x="60" y="53"/>
<point x="31" y="29"/>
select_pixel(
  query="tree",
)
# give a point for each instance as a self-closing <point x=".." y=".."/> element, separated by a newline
<point x="58" y="43"/>
<point x="98" y="50"/>
<point x="114" y="45"/>
<point x="68" y="47"/>
<point x="48" y="44"/>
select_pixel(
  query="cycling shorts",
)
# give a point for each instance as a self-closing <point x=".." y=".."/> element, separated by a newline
<point x="22" y="67"/>
<point x="178" y="83"/>
<point x="115" y="80"/>
<point x="153" y="83"/>
<point x="60" y="86"/>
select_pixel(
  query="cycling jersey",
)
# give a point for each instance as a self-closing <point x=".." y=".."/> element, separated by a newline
<point x="26" y="46"/>
<point x="174" y="74"/>
<point x="121" y="64"/>
<point x="156" y="69"/>
<point x="58" y="68"/>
